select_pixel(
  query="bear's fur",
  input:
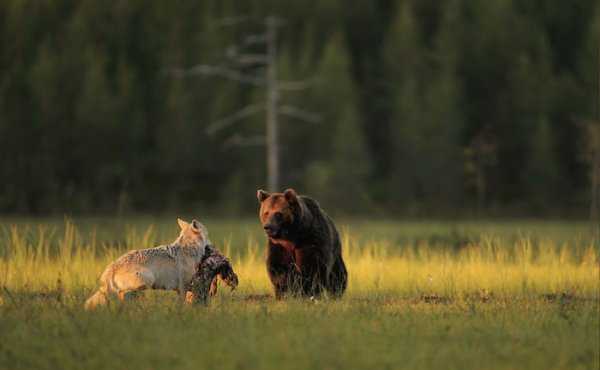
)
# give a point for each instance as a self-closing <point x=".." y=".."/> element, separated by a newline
<point x="304" y="254"/>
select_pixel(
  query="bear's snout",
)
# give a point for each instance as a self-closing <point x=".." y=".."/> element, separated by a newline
<point x="275" y="225"/>
<point x="272" y="230"/>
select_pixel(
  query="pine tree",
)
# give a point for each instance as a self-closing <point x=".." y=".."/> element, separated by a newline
<point x="403" y="59"/>
<point x="427" y="119"/>
<point x="542" y="173"/>
<point x="341" y="176"/>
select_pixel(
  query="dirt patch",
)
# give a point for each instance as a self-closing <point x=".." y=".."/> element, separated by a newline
<point x="257" y="298"/>
<point x="435" y="299"/>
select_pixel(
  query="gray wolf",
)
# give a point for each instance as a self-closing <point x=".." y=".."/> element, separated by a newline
<point x="168" y="267"/>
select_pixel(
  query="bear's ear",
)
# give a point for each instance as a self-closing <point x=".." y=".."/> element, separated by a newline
<point x="262" y="195"/>
<point x="182" y="224"/>
<point x="291" y="196"/>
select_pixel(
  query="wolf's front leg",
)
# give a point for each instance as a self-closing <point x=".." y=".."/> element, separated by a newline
<point x="129" y="295"/>
<point x="191" y="297"/>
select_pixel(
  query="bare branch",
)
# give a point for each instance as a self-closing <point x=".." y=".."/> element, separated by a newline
<point x="251" y="59"/>
<point x="225" y="22"/>
<point x="300" y="114"/>
<point x="296" y="85"/>
<point x="230" y="120"/>
<point x="230" y="21"/>
<point x="235" y="20"/>
<point x="254" y="39"/>
<point x="276" y="21"/>
<point x="231" y="51"/>
<point x="219" y="71"/>
<point x="239" y="140"/>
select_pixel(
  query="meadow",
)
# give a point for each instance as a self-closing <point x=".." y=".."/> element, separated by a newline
<point x="515" y="294"/>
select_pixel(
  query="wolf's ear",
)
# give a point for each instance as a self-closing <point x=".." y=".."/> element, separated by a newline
<point x="291" y="196"/>
<point x="196" y="226"/>
<point x="182" y="224"/>
<point x="262" y="195"/>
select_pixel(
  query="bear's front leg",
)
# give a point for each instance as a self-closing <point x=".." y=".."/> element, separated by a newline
<point x="284" y="279"/>
<point x="313" y="270"/>
<point x="282" y="270"/>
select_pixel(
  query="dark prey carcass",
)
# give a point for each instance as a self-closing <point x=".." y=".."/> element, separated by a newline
<point x="214" y="265"/>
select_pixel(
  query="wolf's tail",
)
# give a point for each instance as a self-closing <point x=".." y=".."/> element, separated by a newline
<point x="97" y="299"/>
<point x="107" y="286"/>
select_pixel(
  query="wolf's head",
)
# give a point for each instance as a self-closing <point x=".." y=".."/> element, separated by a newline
<point x="192" y="233"/>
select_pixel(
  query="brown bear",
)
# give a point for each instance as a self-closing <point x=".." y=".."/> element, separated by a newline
<point x="304" y="254"/>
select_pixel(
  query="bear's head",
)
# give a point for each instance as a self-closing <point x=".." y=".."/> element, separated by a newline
<point x="278" y="212"/>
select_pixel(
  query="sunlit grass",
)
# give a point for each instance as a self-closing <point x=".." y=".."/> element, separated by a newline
<point x="421" y="295"/>
<point x="45" y="258"/>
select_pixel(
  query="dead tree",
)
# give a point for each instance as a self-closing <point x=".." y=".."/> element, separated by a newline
<point x="594" y="149"/>
<point x="269" y="81"/>
<point x="592" y="157"/>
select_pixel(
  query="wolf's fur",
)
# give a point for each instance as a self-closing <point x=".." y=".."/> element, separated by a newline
<point x="168" y="267"/>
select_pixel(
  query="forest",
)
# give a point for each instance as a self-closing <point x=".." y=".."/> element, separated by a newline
<point x="422" y="107"/>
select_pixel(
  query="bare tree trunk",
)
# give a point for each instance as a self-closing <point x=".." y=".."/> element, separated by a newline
<point x="481" y="188"/>
<point x="595" y="202"/>
<point x="272" y="98"/>
<point x="595" y="174"/>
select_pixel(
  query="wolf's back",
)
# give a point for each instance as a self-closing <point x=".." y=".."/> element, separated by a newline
<point x="170" y="256"/>
<point x="144" y="256"/>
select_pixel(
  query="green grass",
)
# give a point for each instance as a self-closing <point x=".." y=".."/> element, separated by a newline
<point x="422" y="295"/>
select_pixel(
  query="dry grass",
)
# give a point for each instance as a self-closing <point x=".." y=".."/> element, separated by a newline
<point x="39" y="258"/>
<point x="420" y="296"/>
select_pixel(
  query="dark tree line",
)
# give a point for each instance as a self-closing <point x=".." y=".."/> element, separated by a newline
<point x="427" y="107"/>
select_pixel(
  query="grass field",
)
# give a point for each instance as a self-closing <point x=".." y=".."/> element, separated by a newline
<point x="422" y="295"/>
